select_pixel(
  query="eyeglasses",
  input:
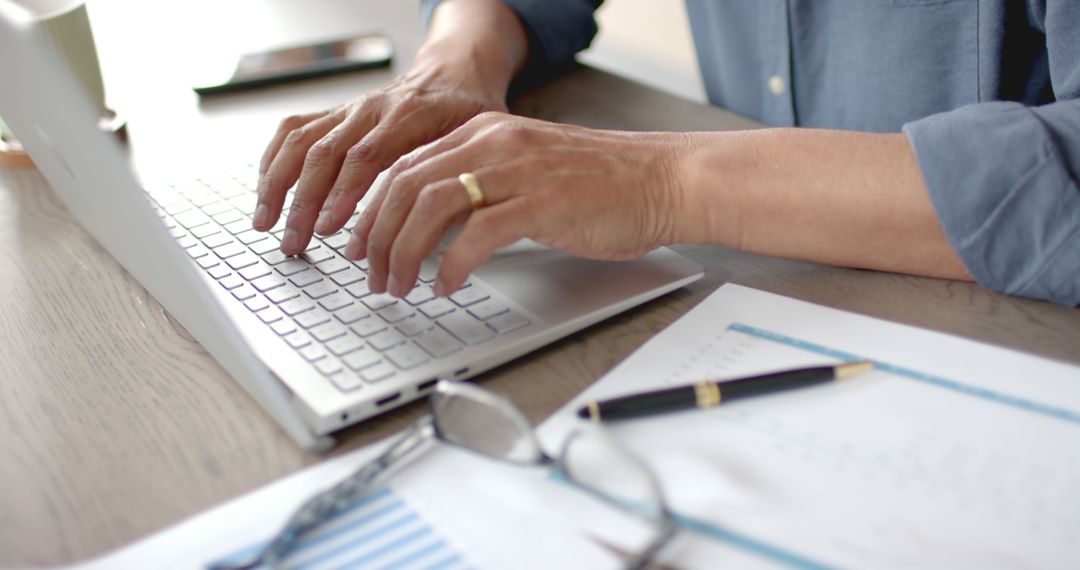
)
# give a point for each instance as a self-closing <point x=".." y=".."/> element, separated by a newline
<point x="475" y="419"/>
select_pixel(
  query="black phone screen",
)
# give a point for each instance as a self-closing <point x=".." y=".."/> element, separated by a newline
<point x="301" y="62"/>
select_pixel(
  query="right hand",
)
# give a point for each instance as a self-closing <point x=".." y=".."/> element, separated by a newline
<point x="333" y="156"/>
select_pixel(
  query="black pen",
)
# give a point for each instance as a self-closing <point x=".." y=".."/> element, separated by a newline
<point x="709" y="393"/>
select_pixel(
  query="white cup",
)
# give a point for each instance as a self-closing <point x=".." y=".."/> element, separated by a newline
<point x="67" y="25"/>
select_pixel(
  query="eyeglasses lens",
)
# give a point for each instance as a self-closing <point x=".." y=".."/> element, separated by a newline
<point x="486" y="424"/>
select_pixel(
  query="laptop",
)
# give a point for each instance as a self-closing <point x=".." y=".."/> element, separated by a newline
<point x="302" y="335"/>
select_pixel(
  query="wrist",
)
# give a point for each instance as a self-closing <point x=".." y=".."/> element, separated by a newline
<point x="713" y="173"/>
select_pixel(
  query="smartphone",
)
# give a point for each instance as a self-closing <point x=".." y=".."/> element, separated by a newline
<point x="300" y="62"/>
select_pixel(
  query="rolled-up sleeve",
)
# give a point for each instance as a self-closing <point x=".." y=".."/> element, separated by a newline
<point x="557" y="29"/>
<point x="1005" y="178"/>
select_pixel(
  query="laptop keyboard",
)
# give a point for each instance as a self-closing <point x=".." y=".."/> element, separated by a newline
<point x="318" y="302"/>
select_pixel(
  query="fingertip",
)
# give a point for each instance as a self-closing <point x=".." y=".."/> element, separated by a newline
<point x="262" y="221"/>
<point x="324" y="226"/>
<point x="354" y="250"/>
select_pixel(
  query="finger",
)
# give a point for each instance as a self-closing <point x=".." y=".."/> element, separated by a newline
<point x="486" y="230"/>
<point x="377" y="151"/>
<point x="321" y="165"/>
<point x="287" y="125"/>
<point x="438" y="206"/>
<point x="403" y="190"/>
<point x="285" y="169"/>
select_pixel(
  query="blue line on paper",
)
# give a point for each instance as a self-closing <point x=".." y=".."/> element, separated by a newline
<point x="991" y="395"/>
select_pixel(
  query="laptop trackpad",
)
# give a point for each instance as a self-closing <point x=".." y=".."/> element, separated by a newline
<point x="555" y="285"/>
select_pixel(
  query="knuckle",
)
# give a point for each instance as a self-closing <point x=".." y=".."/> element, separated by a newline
<point x="295" y="138"/>
<point x="291" y="123"/>
<point x="320" y="152"/>
<point x="360" y="154"/>
<point x="301" y="203"/>
<point x="432" y="197"/>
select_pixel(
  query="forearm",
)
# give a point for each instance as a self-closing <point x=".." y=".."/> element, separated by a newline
<point x="842" y="198"/>
<point x="480" y="41"/>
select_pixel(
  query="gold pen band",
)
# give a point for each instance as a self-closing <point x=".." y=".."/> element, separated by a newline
<point x="707" y="394"/>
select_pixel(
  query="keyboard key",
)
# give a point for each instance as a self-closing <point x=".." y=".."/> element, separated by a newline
<point x="275" y="257"/>
<point x="352" y="313"/>
<point x="281" y="294"/>
<point x="396" y="312"/>
<point x="255" y="271"/>
<point x="437" y="308"/>
<point x="345" y="344"/>
<point x="413" y="326"/>
<point x="360" y="359"/>
<point x="197" y="251"/>
<point x="239" y="226"/>
<point x="437" y="342"/>
<point x="319" y="289"/>
<point x="251" y="236"/>
<point x="292" y="266"/>
<point x="219" y="271"/>
<point x="191" y="219"/>
<point x="228" y="217"/>
<point x="305" y="278"/>
<point x="244" y="292"/>
<point x="378" y="372"/>
<point x="332" y="265"/>
<point x="488" y="309"/>
<point x="469" y="296"/>
<point x="406" y="356"/>
<point x="313" y="352"/>
<point x="208" y="261"/>
<point x="376" y="302"/>
<point x="419" y="294"/>
<point x="507" y="322"/>
<point x="205" y="230"/>
<point x="177" y="232"/>
<point x="358" y="290"/>
<point x="204" y="198"/>
<point x="429" y="269"/>
<point x="298" y="339"/>
<point x="267" y="282"/>
<point x="311" y="319"/>
<point x="217" y="240"/>
<point x="284" y="327"/>
<point x="241" y="261"/>
<point x="231" y="282"/>
<point x="465" y="328"/>
<point x="230" y="249"/>
<point x="266" y="246"/>
<point x="176" y="208"/>
<point x="270" y="315"/>
<point x="385" y="339"/>
<point x="297" y="306"/>
<point x="335" y="301"/>
<point x="256" y="304"/>
<point x="346" y="381"/>
<point x="328" y="366"/>
<point x="217" y="208"/>
<point x="317" y="254"/>
<point x="187" y="241"/>
<point x="327" y="331"/>
<point x="338" y="240"/>
<point x="347" y="277"/>
<point x="368" y="327"/>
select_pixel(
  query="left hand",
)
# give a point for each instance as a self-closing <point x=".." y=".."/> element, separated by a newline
<point x="597" y="194"/>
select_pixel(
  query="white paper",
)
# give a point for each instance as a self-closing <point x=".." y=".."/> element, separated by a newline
<point x="951" y="454"/>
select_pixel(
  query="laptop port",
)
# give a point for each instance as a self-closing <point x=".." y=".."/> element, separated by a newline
<point x="461" y="372"/>
<point x="388" y="399"/>
<point x="427" y="385"/>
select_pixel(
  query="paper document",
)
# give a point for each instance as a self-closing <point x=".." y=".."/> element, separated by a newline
<point x="950" y="454"/>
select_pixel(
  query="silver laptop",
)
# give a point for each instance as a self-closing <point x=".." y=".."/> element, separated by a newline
<point x="303" y="335"/>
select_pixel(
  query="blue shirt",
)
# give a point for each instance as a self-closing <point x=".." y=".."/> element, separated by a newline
<point x="987" y="92"/>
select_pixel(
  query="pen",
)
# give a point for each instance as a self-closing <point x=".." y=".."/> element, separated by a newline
<point x="709" y="393"/>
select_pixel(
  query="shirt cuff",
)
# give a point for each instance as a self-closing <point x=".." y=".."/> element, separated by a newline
<point x="1001" y="182"/>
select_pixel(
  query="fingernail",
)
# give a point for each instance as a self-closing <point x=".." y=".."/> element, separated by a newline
<point x="322" y="225"/>
<point x="262" y="213"/>
<point x="290" y="242"/>
<point x="353" y="249"/>
<point x="392" y="286"/>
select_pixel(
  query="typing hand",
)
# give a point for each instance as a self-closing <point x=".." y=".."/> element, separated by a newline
<point x="598" y="194"/>
<point x="333" y="156"/>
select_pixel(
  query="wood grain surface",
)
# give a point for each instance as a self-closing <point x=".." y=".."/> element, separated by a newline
<point x="115" y="423"/>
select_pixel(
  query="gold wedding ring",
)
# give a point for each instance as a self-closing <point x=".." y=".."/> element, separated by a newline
<point x="472" y="186"/>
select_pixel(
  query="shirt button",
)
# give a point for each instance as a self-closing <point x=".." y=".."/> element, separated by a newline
<point x="776" y="85"/>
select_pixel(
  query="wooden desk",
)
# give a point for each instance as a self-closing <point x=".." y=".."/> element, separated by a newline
<point x="115" y="423"/>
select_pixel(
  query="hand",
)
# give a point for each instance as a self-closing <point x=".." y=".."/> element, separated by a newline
<point x="598" y="194"/>
<point x="333" y="156"/>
